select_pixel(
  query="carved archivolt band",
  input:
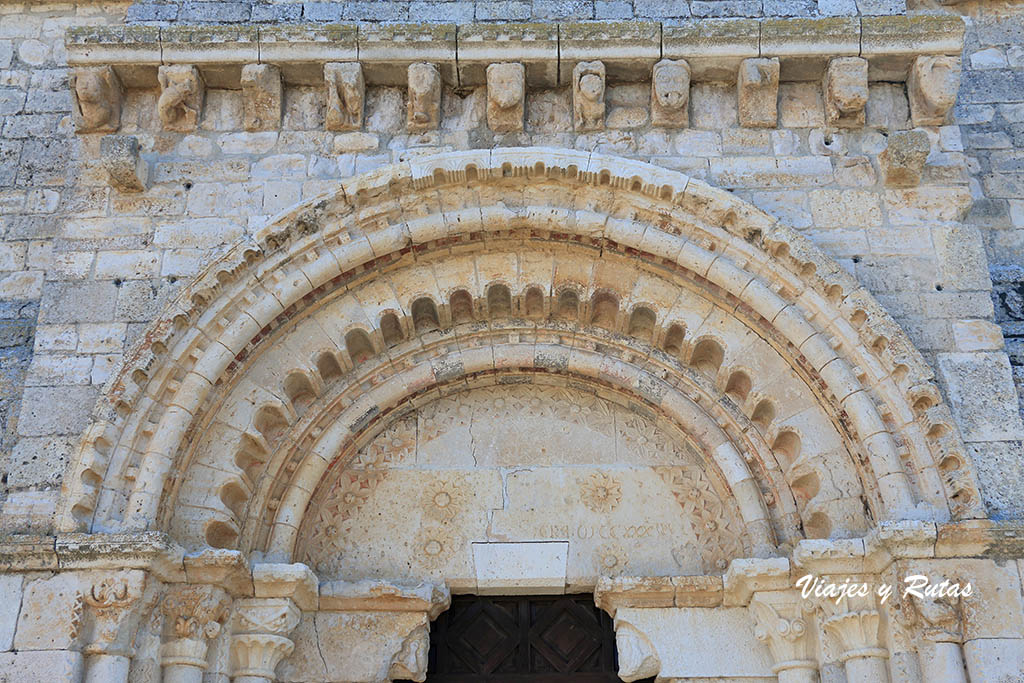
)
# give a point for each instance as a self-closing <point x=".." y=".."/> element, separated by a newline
<point x="756" y="269"/>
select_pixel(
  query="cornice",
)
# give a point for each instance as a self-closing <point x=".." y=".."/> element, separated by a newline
<point x="713" y="47"/>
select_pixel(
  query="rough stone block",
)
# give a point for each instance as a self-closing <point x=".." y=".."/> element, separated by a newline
<point x="757" y="89"/>
<point x="846" y="91"/>
<point x="983" y="397"/>
<point x="42" y="665"/>
<point x="127" y="170"/>
<point x="262" y="97"/>
<point x="932" y="86"/>
<point x="903" y="159"/>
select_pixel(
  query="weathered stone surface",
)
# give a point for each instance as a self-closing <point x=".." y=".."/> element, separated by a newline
<point x="182" y="92"/>
<point x="904" y="157"/>
<point x="670" y="94"/>
<point x="506" y="97"/>
<point x="757" y="91"/>
<point x="846" y="91"/>
<point x="346" y="92"/>
<point x="424" y="104"/>
<point x="127" y="170"/>
<point x="588" y="86"/>
<point x="263" y="96"/>
<point x="97" y="99"/>
<point x="932" y="87"/>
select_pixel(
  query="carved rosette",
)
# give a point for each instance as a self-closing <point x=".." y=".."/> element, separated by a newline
<point x="781" y="622"/>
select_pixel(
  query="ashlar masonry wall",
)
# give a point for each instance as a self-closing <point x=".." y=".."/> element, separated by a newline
<point x="84" y="266"/>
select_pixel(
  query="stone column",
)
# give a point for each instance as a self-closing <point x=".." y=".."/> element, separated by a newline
<point x="781" y="622"/>
<point x="854" y="626"/>
<point x="259" y="642"/>
<point x="192" y="616"/>
<point x="111" y="620"/>
<point x="941" y="656"/>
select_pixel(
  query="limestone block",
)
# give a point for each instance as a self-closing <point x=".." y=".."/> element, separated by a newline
<point x="670" y="94"/>
<point x="295" y="581"/>
<point x="346" y="93"/>
<point x="127" y="170"/>
<point x="903" y="159"/>
<point x="262" y="97"/>
<point x="932" y="86"/>
<point x="10" y="588"/>
<point x="181" y="97"/>
<point x="994" y="659"/>
<point x="981" y="391"/>
<point x="96" y="96"/>
<point x="695" y="642"/>
<point x="588" y="85"/>
<point x="376" y="595"/>
<point x="506" y="97"/>
<point x="846" y="91"/>
<point x="424" y="106"/>
<point x="51" y="614"/>
<point x="363" y="646"/>
<point x="520" y="568"/>
<point x="42" y="665"/>
<point x="757" y="89"/>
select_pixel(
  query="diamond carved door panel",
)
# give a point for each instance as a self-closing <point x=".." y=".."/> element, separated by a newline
<point x="563" y="639"/>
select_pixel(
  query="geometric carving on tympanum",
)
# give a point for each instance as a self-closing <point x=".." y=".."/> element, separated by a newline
<point x="611" y="559"/>
<point x="444" y="498"/>
<point x="718" y="536"/>
<point x="437" y="544"/>
<point x="600" y="492"/>
<point x="352" y="490"/>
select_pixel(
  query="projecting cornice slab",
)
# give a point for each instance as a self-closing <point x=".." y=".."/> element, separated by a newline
<point x="550" y="52"/>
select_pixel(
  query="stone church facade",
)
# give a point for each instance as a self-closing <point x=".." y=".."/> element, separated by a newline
<point x="318" y="314"/>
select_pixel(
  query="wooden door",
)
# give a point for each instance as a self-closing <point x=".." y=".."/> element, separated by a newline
<point x="547" y="639"/>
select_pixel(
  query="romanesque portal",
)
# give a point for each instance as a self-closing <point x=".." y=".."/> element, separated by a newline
<point x="564" y="340"/>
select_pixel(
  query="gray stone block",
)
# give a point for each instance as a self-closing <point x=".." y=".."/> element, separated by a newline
<point x="460" y="12"/>
<point x="657" y="9"/>
<point x="56" y="410"/>
<point x="78" y="302"/>
<point x="215" y="12"/>
<point x="151" y="11"/>
<point x="881" y="7"/>
<point x="382" y="10"/>
<point x="613" y="9"/>
<point x="992" y="85"/>
<point x="563" y="9"/>
<point x="514" y="10"/>
<point x="790" y="8"/>
<point x="322" y="11"/>
<point x="726" y="8"/>
<point x="45" y="162"/>
<point x="12" y="101"/>
<point x="273" y="13"/>
<point x="10" y="153"/>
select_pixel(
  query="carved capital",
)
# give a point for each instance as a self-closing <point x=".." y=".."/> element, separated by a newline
<point x="670" y="93"/>
<point x="96" y="93"/>
<point x="194" y="612"/>
<point x="854" y="630"/>
<point x="932" y="85"/>
<point x="588" y="85"/>
<point x="261" y="96"/>
<point x="781" y="620"/>
<point x="506" y="96"/>
<point x="112" y="614"/>
<point x="424" y="97"/>
<point x="258" y="654"/>
<point x="757" y="89"/>
<point x="637" y="656"/>
<point x="181" y="97"/>
<point x="346" y="92"/>
<point x="846" y="91"/>
<point x="410" y="662"/>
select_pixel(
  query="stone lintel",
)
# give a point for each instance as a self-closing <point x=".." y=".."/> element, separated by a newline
<point x="375" y="595"/>
<point x="611" y="594"/>
<point x="713" y="47"/>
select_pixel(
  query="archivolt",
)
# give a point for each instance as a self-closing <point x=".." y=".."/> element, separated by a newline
<point x="858" y="365"/>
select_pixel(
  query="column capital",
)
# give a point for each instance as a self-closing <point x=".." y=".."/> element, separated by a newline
<point x="112" y="612"/>
<point x="782" y="622"/>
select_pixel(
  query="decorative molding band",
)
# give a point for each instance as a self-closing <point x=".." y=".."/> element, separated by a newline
<point x="713" y="48"/>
